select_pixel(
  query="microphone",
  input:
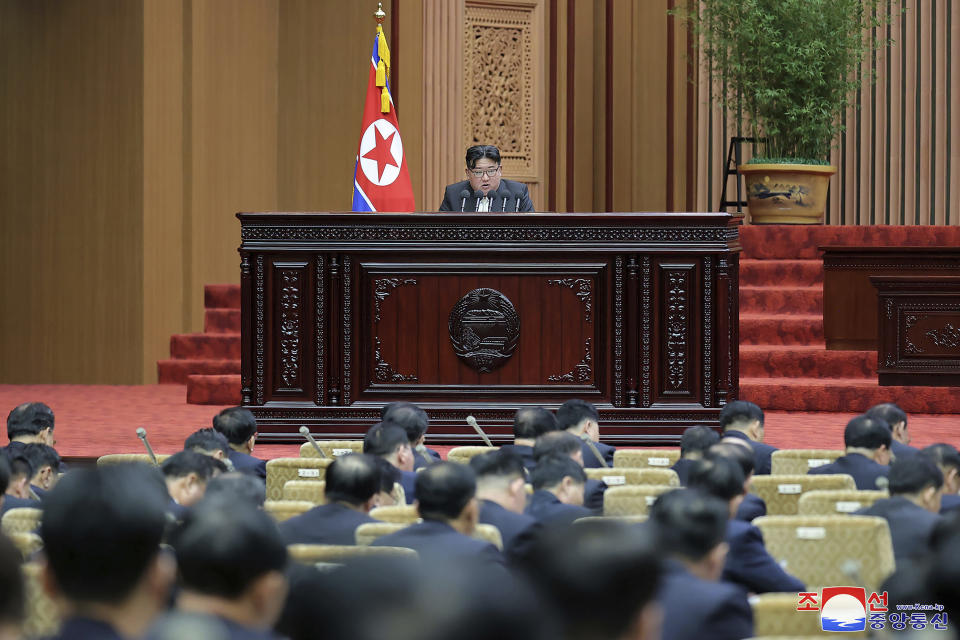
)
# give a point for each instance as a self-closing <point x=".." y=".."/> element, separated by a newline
<point x="517" y="210"/>
<point x="478" y="194"/>
<point x="594" y="449"/>
<point x="142" y="434"/>
<point x="422" y="450"/>
<point x="476" y="427"/>
<point x="503" y="207"/>
<point x="306" y="434"/>
<point x="463" y="199"/>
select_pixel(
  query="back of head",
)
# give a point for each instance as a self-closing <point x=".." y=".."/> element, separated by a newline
<point x="688" y="523"/>
<point x="943" y="455"/>
<point x="551" y="470"/>
<point x="29" y="419"/>
<point x="41" y="456"/>
<point x="717" y="476"/>
<point x="352" y="479"/>
<point x="207" y="441"/>
<point x="887" y="412"/>
<point x="236" y="424"/>
<point x="388" y="474"/>
<point x="743" y="456"/>
<point x="696" y="440"/>
<point x="383" y="439"/>
<point x="556" y="443"/>
<point x="408" y="416"/>
<point x="501" y="465"/>
<point x="866" y="433"/>
<point x="101" y="528"/>
<point x="530" y="423"/>
<point x="237" y="488"/>
<point x="574" y="411"/>
<point x="913" y="474"/>
<point x="223" y="548"/>
<point x="444" y="489"/>
<point x="183" y="463"/>
<point x="740" y="413"/>
<point x="20" y="469"/>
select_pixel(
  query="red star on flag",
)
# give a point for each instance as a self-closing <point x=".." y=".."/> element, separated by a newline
<point x="381" y="152"/>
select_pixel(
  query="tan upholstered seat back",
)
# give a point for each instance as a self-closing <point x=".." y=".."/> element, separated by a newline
<point x="305" y="490"/>
<point x="26" y="543"/>
<point x="285" y="509"/>
<point x="782" y="493"/>
<point x="43" y="616"/>
<point x="21" y="520"/>
<point x="656" y="458"/>
<point x="620" y="476"/>
<point x="463" y="454"/>
<point x="367" y="533"/>
<point x="333" y="448"/>
<point x="127" y="458"/>
<point x="489" y="533"/>
<point x="776" y="615"/>
<point x="335" y="553"/>
<point x="827" y="503"/>
<point x="282" y="470"/>
<point x="798" y="461"/>
<point x="634" y="500"/>
<point x="830" y="550"/>
<point x="401" y="513"/>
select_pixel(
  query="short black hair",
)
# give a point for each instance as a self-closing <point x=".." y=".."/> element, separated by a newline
<point x="478" y="151"/>
<point x="551" y="471"/>
<point x="501" y="463"/>
<point x="888" y="412"/>
<point x="698" y="439"/>
<point x="913" y="474"/>
<point x="556" y="443"/>
<point x="444" y="489"/>
<point x="867" y="433"/>
<point x="719" y="476"/>
<point x="5" y="475"/>
<point x="388" y="474"/>
<point x="533" y="422"/>
<point x="574" y="411"/>
<point x="236" y="424"/>
<point x="101" y="529"/>
<point x="207" y="440"/>
<point x="20" y="467"/>
<point x="409" y="417"/>
<point x="183" y="463"/>
<point x="223" y="548"/>
<point x="740" y="412"/>
<point x="239" y="488"/>
<point x="353" y="478"/>
<point x="689" y="523"/>
<point x="384" y="438"/>
<point x="942" y="454"/>
<point x="13" y="596"/>
<point x="40" y="456"/>
<point x="736" y="452"/>
<point x="29" y="419"/>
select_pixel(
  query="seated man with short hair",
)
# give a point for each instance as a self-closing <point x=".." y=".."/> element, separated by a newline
<point x="947" y="459"/>
<point x="27" y="423"/>
<point x="45" y="462"/>
<point x="896" y="419"/>
<point x="415" y="422"/>
<point x="693" y="444"/>
<point x="242" y="488"/>
<point x="447" y="503"/>
<point x="742" y="420"/>
<point x="502" y="494"/>
<point x="562" y="443"/>
<point x="209" y="442"/>
<point x="239" y="427"/>
<point x="101" y="531"/>
<point x="389" y="441"/>
<point x="186" y="474"/>
<point x="352" y="483"/>
<point x="581" y="419"/>
<point x="752" y="505"/>
<point x="867" y="455"/>
<point x="529" y="423"/>
<point x="484" y="190"/>
<point x="18" y="493"/>
<point x="557" y="498"/>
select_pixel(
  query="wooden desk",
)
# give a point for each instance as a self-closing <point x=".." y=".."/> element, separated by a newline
<point x="850" y="301"/>
<point x="483" y="313"/>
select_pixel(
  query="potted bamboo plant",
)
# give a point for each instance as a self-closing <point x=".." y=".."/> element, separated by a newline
<point x="790" y="69"/>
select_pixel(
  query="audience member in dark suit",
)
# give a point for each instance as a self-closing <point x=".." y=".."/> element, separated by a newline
<point x="101" y="531"/>
<point x="947" y="459"/>
<point x="18" y="491"/>
<point x="27" y="423"/>
<point x="242" y="488"/>
<point x="529" y="424"/>
<point x="912" y="510"/>
<point x="209" y="442"/>
<point x="231" y="561"/>
<point x="186" y="474"/>
<point x="13" y="596"/>
<point x="415" y="422"/>
<point x="867" y="443"/>
<point x="743" y="421"/>
<point x="896" y="419"/>
<point x="752" y="506"/>
<point x="693" y="444"/>
<point x="389" y="441"/>
<point x="391" y="492"/>
<point x="352" y="483"/>
<point x="447" y="503"/>
<point x="483" y="175"/>
<point x="601" y="579"/>
<point x="690" y="527"/>
<point x="502" y="494"/>
<point x="44" y="461"/>
<point x="748" y="564"/>
<point x="557" y="498"/>
<point x="581" y="419"/>
<point x="239" y="427"/>
<point x="561" y="443"/>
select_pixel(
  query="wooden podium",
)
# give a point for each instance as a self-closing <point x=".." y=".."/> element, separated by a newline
<point x="479" y="314"/>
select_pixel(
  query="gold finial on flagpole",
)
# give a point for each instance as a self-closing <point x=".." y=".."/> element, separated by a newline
<point x="379" y="15"/>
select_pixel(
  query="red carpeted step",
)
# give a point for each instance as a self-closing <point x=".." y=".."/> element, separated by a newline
<point x="213" y="389"/>
<point x="221" y="321"/>
<point x="793" y="241"/>
<point x="798" y="273"/>
<point x="781" y="300"/>
<point x="845" y="395"/>
<point x="812" y="361"/>
<point x="221" y="296"/>
<point x="205" y="346"/>
<point x="176" y="371"/>
<point x="770" y="328"/>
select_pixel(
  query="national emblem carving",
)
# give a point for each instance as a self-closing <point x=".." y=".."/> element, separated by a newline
<point x="484" y="328"/>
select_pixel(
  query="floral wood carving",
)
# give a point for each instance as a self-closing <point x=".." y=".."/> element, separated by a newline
<point x="381" y="291"/>
<point x="581" y="372"/>
<point x="583" y="289"/>
<point x="676" y="329"/>
<point x="947" y="337"/>
<point x="289" y="328"/>
<point x="383" y="371"/>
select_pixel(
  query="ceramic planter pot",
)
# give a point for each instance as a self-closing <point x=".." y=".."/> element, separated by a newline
<point x="786" y="193"/>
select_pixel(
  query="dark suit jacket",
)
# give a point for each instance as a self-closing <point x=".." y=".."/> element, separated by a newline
<point x="435" y="540"/>
<point x="862" y="469"/>
<point x="590" y="461"/>
<point x="79" y="628"/>
<point x="246" y="463"/>
<point x="900" y="450"/>
<point x="761" y="452"/>
<point x="525" y="452"/>
<point x="510" y="197"/>
<point x="949" y="502"/>
<point x="910" y="525"/>
<point x="519" y="531"/>
<point x="750" y="566"/>
<point x="752" y="507"/>
<point x="682" y="467"/>
<point x="545" y="507"/>
<point x="695" y="609"/>
<point x="408" y="481"/>
<point x="181" y="624"/>
<point x="593" y="492"/>
<point x="419" y="461"/>
<point x="326" y="524"/>
<point x="13" y="502"/>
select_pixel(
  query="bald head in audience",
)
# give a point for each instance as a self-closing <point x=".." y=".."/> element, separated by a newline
<point x="447" y="492"/>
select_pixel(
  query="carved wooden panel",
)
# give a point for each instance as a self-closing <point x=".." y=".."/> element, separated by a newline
<point x="290" y="280"/>
<point x="678" y="329"/>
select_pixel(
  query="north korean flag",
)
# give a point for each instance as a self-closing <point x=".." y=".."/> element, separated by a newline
<point x="381" y="181"/>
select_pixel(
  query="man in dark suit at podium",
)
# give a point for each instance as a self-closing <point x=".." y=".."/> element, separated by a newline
<point x="484" y="190"/>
